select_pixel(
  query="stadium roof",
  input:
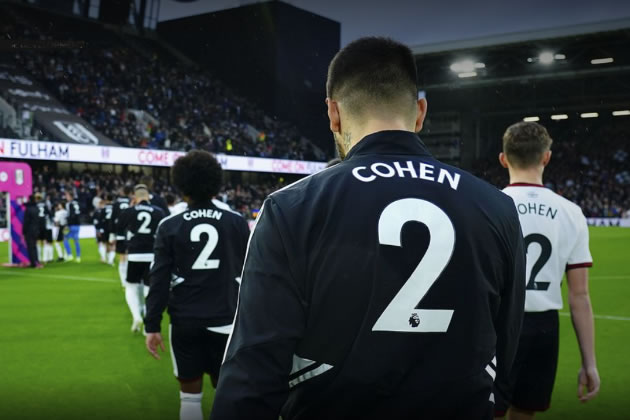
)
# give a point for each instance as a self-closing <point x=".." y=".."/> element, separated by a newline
<point x="441" y="23"/>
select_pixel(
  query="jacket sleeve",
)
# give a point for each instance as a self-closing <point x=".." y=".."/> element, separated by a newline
<point x="270" y="319"/>
<point x="160" y="280"/>
<point x="512" y="307"/>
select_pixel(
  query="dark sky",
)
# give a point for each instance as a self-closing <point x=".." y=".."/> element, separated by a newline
<point x="423" y="22"/>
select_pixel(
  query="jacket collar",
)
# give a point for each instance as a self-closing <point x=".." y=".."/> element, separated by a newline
<point x="391" y="142"/>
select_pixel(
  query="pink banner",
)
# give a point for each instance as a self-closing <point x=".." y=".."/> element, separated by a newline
<point x="16" y="179"/>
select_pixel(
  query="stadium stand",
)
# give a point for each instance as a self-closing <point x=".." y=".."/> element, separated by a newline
<point x="136" y="93"/>
<point x="246" y="198"/>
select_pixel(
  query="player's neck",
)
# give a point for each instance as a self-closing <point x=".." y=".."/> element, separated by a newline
<point x="371" y="126"/>
<point x="526" y="176"/>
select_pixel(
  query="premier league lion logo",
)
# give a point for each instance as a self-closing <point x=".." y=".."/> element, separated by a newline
<point x="414" y="320"/>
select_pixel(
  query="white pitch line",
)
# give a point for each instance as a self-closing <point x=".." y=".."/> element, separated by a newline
<point x="60" y="276"/>
<point x="610" y="317"/>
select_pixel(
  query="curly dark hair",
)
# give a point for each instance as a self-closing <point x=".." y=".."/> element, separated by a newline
<point x="197" y="175"/>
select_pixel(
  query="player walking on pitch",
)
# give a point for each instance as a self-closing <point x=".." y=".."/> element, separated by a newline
<point x="139" y="222"/>
<point x="74" y="225"/>
<point x="117" y="239"/>
<point x="556" y="241"/>
<point x="388" y="286"/>
<point x="198" y="256"/>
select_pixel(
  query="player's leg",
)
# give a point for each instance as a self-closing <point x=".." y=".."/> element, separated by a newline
<point x="532" y="392"/>
<point x="48" y="247"/>
<point x="40" y="247"/>
<point x="187" y="356"/>
<point x="102" y="249"/>
<point x="31" y="247"/>
<point x="58" y="242"/>
<point x="145" y="286"/>
<point x="66" y="244"/>
<point x="518" y="414"/>
<point x="121" y="250"/>
<point x="111" y="253"/>
<point x="74" y="229"/>
<point x="214" y="348"/>
<point x="133" y="294"/>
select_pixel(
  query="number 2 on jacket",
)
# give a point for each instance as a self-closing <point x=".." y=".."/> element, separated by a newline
<point x="401" y="314"/>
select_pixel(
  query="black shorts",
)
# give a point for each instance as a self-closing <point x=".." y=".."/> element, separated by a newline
<point x="138" y="272"/>
<point x="45" y="235"/>
<point x="103" y="237"/>
<point x="195" y="350"/>
<point x="121" y="247"/>
<point x="533" y="374"/>
<point x="59" y="234"/>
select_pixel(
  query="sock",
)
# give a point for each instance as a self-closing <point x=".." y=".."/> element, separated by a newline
<point x="66" y="244"/>
<point x="111" y="256"/>
<point x="146" y="290"/>
<point x="190" y="406"/>
<point x="58" y="248"/>
<point x="48" y="252"/>
<point x="132" y="295"/>
<point x="122" y="272"/>
<point x="77" y="246"/>
<point x="101" y="251"/>
<point x="40" y="255"/>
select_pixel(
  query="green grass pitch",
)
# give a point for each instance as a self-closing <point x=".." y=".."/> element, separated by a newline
<point x="66" y="350"/>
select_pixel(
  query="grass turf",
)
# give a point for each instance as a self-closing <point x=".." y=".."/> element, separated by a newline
<point x="66" y="350"/>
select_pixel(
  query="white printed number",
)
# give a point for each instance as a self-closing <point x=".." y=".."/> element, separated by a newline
<point x="401" y="314"/>
<point x="203" y="262"/>
<point x="145" y="218"/>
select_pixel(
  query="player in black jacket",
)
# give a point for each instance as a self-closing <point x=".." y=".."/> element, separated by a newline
<point x="98" y="219"/>
<point x="30" y="230"/>
<point x="74" y="224"/>
<point x="155" y="199"/>
<point x="108" y="215"/>
<point x="44" y="239"/>
<point x="117" y="239"/>
<point x="139" y="223"/>
<point x="389" y="286"/>
<point x="198" y="261"/>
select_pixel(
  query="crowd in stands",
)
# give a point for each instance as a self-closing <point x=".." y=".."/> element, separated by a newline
<point x="106" y="83"/>
<point x="89" y="187"/>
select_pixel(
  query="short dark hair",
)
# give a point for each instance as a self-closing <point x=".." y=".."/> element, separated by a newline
<point x="147" y="180"/>
<point x="170" y="199"/>
<point x="127" y="190"/>
<point x="373" y="73"/>
<point x="197" y="175"/>
<point x="524" y="144"/>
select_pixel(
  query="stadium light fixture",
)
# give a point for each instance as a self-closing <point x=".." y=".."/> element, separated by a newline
<point x="589" y="115"/>
<point x="622" y="112"/>
<point x="466" y="66"/>
<point x="467" y="74"/>
<point x="558" y="117"/>
<point x="546" y="57"/>
<point x="531" y="119"/>
<point x="602" y="60"/>
<point x="560" y="57"/>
